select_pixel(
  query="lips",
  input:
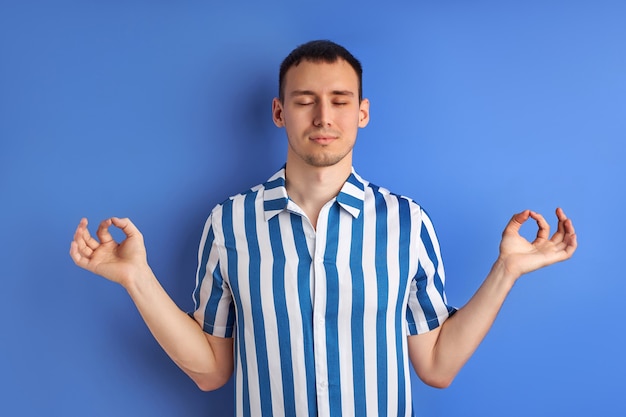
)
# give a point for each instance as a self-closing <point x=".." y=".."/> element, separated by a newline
<point x="323" y="138"/>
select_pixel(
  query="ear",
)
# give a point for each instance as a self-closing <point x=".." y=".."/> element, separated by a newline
<point x="364" y="112"/>
<point x="277" y="112"/>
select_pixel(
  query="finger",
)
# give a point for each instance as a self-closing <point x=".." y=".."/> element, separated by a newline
<point x="84" y="242"/>
<point x="570" y="232"/>
<point x="572" y="241"/>
<point x="516" y="222"/>
<point x="560" y="231"/>
<point x="89" y="241"/>
<point x="76" y="255"/>
<point x="103" y="231"/>
<point x="129" y="229"/>
<point x="569" y="244"/>
<point x="80" y="229"/>
<point x="84" y="250"/>
<point x="568" y="227"/>
<point x="543" y="233"/>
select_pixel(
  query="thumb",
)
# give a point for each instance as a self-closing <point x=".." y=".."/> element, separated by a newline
<point x="516" y="222"/>
<point x="127" y="226"/>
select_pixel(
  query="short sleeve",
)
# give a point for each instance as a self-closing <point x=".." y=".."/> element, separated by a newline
<point x="427" y="306"/>
<point x="213" y="301"/>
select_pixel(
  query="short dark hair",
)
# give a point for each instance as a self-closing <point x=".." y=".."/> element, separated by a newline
<point x="318" y="51"/>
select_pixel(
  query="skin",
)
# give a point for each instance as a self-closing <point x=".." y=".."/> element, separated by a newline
<point x="321" y="114"/>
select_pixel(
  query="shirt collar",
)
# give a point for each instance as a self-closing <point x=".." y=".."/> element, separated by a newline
<point x="350" y="197"/>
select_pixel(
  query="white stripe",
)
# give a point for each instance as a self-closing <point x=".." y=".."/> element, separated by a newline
<point x="369" y="316"/>
<point x="221" y="320"/>
<point x="243" y="262"/>
<point x="319" y="317"/>
<point x="344" y="327"/>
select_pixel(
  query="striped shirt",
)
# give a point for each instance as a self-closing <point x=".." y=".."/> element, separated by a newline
<point x="320" y="316"/>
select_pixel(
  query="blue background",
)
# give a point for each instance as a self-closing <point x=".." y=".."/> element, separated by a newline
<point x="159" y="110"/>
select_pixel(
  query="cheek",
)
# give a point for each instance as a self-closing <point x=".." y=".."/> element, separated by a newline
<point x="296" y="118"/>
<point x="349" y="122"/>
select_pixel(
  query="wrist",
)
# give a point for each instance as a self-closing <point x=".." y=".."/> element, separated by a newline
<point x="137" y="277"/>
<point x="500" y="270"/>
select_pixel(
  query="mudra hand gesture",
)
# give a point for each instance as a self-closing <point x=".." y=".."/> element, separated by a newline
<point x="118" y="262"/>
<point x="519" y="256"/>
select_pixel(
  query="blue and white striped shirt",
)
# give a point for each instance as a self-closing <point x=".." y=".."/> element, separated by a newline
<point x="320" y="315"/>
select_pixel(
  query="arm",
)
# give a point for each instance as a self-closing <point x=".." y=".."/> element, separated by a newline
<point x="208" y="360"/>
<point x="438" y="355"/>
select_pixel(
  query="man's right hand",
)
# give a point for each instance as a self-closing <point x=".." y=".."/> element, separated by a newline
<point x="118" y="262"/>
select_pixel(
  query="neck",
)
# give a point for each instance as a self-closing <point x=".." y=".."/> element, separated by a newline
<point x="312" y="187"/>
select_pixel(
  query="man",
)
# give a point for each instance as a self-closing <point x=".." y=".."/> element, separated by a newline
<point x="318" y="285"/>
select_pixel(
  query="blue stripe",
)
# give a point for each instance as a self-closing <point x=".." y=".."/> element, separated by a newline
<point x="230" y="321"/>
<point x="254" y="276"/>
<point x="358" y="311"/>
<point x="352" y="201"/>
<point x="332" y="311"/>
<point x="382" y="293"/>
<point x="278" y="182"/>
<point x="229" y="243"/>
<point x="352" y="179"/>
<point x="306" y="309"/>
<point x="430" y="249"/>
<point x="212" y="304"/>
<point x="427" y="305"/>
<point x="217" y="290"/>
<point x="424" y="301"/>
<point x="277" y="204"/>
<point x="282" y="316"/>
<point x="216" y="283"/>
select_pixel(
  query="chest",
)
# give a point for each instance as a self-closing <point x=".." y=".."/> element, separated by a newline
<point x="347" y="264"/>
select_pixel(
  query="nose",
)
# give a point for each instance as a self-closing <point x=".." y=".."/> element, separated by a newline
<point x="322" y="115"/>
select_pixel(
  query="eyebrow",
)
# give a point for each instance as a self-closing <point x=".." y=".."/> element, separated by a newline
<point x="297" y="93"/>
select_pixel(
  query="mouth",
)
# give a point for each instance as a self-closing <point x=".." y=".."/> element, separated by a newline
<point x="323" y="139"/>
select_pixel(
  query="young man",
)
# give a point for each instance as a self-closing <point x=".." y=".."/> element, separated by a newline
<point x="318" y="285"/>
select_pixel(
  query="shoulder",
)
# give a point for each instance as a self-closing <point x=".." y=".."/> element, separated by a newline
<point x="382" y="200"/>
<point x="373" y="191"/>
<point x="273" y="188"/>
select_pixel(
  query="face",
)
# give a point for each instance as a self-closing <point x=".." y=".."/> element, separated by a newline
<point x="321" y="113"/>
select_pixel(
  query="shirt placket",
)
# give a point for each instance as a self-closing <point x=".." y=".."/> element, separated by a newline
<point x="319" y="289"/>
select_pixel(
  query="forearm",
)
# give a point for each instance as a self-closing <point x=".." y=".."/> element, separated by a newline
<point x="208" y="361"/>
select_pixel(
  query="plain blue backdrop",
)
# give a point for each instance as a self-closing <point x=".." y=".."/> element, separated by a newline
<point x="159" y="110"/>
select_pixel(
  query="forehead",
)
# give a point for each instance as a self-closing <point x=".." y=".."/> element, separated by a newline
<point x="322" y="76"/>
